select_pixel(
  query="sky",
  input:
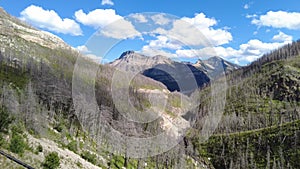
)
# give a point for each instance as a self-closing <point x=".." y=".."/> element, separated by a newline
<point x="239" y="31"/>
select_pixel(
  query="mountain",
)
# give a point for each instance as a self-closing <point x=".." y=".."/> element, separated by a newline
<point x="180" y="77"/>
<point x="213" y="66"/>
<point x="176" y="76"/>
<point x="131" y="61"/>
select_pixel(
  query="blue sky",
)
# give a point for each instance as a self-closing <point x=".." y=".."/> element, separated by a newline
<point x="239" y="31"/>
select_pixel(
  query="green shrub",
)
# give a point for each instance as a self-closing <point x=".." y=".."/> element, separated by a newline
<point x="5" y="119"/>
<point x="2" y="141"/>
<point x="92" y="158"/>
<point x="59" y="127"/>
<point x="39" y="148"/>
<point x="51" y="161"/>
<point x="17" y="129"/>
<point x="72" y="146"/>
<point x="17" y="144"/>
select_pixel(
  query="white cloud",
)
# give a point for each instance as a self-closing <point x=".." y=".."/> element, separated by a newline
<point x="207" y="52"/>
<point x="139" y="18"/>
<point x="107" y="2"/>
<point x="199" y="31"/>
<point x="97" y="18"/>
<point x="160" y="19"/>
<point x="246" y="6"/>
<point x="83" y="49"/>
<point x="251" y="16"/>
<point x="246" y="53"/>
<point x="121" y="29"/>
<point x="282" y="37"/>
<point x="185" y="33"/>
<point x="148" y="51"/>
<point x="110" y="24"/>
<point x="279" y="19"/>
<point x="200" y="21"/>
<point x="93" y="58"/>
<point x="196" y="32"/>
<point x="164" y="42"/>
<point x="50" y="20"/>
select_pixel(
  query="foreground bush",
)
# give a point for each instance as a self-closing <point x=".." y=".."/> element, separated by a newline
<point x="51" y="161"/>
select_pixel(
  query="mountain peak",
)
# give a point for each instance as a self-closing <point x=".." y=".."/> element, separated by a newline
<point x="126" y="53"/>
<point x="215" y="65"/>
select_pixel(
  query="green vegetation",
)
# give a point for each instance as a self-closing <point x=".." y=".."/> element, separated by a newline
<point x="17" y="143"/>
<point x="39" y="148"/>
<point x="90" y="157"/>
<point x="255" y="149"/>
<point x="13" y="75"/>
<point x="52" y="161"/>
<point x="260" y="125"/>
<point x="73" y="146"/>
<point x="5" y="119"/>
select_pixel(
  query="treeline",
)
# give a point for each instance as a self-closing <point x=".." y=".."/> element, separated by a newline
<point x="288" y="51"/>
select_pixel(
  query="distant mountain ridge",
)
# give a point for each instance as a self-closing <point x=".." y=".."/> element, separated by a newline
<point x="171" y="73"/>
<point x="176" y="76"/>
<point x="213" y="66"/>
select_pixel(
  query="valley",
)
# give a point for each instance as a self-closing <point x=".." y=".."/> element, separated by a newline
<point x="103" y="119"/>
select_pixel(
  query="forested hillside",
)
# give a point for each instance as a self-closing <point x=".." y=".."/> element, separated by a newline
<point x="260" y="124"/>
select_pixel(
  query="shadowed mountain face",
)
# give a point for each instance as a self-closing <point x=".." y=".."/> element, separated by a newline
<point x="176" y="76"/>
<point x="184" y="78"/>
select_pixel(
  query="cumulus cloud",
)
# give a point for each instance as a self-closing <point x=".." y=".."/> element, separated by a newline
<point x="279" y="19"/>
<point x="204" y="30"/>
<point x="50" y="20"/>
<point x="97" y="18"/>
<point x="246" y="53"/>
<point x="83" y="49"/>
<point x="160" y="19"/>
<point x="107" y="2"/>
<point x="197" y="31"/>
<point x="164" y="42"/>
<point x="282" y="37"/>
<point x="148" y="51"/>
<point x="139" y="18"/>
<point x="121" y="29"/>
<point x="200" y="21"/>
<point x="111" y="24"/>
<point x="93" y="58"/>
